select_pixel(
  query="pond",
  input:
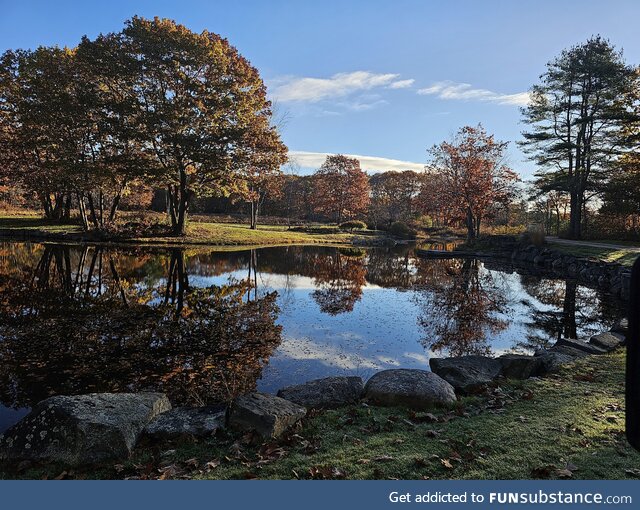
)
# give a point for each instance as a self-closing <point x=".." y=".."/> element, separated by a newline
<point x="205" y="325"/>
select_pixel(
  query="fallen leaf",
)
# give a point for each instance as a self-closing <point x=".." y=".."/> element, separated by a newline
<point x="446" y="463"/>
<point x="192" y="463"/>
<point x="212" y="464"/>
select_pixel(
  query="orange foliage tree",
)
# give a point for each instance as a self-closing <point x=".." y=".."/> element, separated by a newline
<point x="470" y="175"/>
<point x="340" y="189"/>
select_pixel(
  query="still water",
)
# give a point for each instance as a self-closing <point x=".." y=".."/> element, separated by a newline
<point x="204" y="325"/>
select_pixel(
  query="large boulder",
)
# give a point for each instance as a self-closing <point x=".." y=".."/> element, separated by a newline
<point x="268" y="415"/>
<point x="82" y="429"/>
<point x="580" y="345"/>
<point x="607" y="341"/>
<point x="325" y="393"/>
<point x="572" y="352"/>
<point x="518" y="366"/>
<point x="416" y="389"/>
<point x="187" y="421"/>
<point x="552" y="360"/>
<point x="466" y="373"/>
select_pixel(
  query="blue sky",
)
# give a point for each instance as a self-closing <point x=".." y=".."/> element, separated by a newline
<point x="383" y="80"/>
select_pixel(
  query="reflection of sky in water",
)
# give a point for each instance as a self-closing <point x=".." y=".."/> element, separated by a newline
<point x="381" y="332"/>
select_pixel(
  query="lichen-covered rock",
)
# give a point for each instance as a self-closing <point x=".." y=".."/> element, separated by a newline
<point x="325" y="393"/>
<point x="416" y="389"/>
<point x="267" y="414"/>
<point x="187" y="421"/>
<point x="518" y="366"/>
<point x="466" y="373"/>
<point x="580" y="345"/>
<point x="82" y="429"/>
<point x="608" y="340"/>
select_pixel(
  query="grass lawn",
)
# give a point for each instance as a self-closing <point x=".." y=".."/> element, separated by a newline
<point x="199" y="232"/>
<point x="567" y="425"/>
<point x="625" y="257"/>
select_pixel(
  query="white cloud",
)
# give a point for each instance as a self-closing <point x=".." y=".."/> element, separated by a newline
<point x="401" y="84"/>
<point x="465" y="92"/>
<point x="313" y="90"/>
<point x="367" y="163"/>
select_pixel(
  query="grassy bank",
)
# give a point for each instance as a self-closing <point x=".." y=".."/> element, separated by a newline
<point x="623" y="256"/>
<point x="198" y="232"/>
<point x="567" y="425"/>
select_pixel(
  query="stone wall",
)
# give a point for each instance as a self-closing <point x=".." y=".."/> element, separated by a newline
<point x="608" y="276"/>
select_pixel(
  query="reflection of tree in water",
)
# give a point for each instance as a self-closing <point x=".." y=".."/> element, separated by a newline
<point x="392" y="268"/>
<point x="462" y="303"/>
<point x="75" y="325"/>
<point x="339" y="278"/>
<point x="575" y="311"/>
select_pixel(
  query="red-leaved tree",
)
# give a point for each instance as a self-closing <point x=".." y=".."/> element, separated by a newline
<point x="470" y="175"/>
<point x="340" y="189"/>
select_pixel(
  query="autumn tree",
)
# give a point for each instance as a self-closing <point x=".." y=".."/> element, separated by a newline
<point x="393" y="196"/>
<point x="199" y="101"/>
<point x="38" y="124"/>
<point x="470" y="175"/>
<point x="340" y="189"/>
<point x="262" y="176"/>
<point x="577" y="117"/>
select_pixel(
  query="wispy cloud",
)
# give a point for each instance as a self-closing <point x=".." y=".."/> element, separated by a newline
<point x="312" y="90"/>
<point x="401" y="84"/>
<point x="367" y="163"/>
<point x="466" y="92"/>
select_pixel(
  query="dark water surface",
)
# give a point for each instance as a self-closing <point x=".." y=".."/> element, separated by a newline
<point x="205" y="325"/>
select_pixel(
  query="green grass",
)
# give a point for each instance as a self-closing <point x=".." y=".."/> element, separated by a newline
<point x="200" y="232"/>
<point x="520" y="430"/>
<point x="238" y="234"/>
<point x="625" y="257"/>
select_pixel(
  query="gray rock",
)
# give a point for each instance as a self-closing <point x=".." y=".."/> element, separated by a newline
<point x="622" y="327"/>
<point x="552" y="360"/>
<point x="268" y="415"/>
<point x="416" y="389"/>
<point x="569" y="351"/>
<point x="83" y="429"/>
<point x="187" y="421"/>
<point x="580" y="345"/>
<point x="466" y="373"/>
<point x="519" y="366"/>
<point x="325" y="393"/>
<point x="607" y="341"/>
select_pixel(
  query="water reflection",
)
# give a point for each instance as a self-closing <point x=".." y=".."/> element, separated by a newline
<point x="204" y="326"/>
<point x="75" y="325"/>
<point x="463" y="307"/>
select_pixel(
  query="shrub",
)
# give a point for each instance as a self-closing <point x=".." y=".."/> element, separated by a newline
<point x="535" y="237"/>
<point x="402" y="230"/>
<point x="352" y="225"/>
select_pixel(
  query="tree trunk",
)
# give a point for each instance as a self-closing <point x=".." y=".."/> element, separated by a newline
<point x="471" y="231"/>
<point x="180" y="227"/>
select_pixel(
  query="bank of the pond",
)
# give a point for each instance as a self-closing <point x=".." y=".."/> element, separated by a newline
<point x="34" y="228"/>
<point x="609" y="271"/>
<point x="570" y="424"/>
